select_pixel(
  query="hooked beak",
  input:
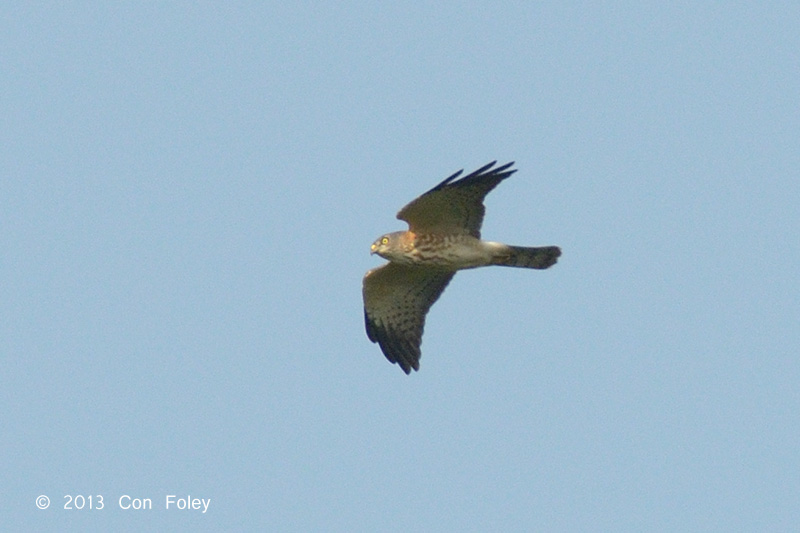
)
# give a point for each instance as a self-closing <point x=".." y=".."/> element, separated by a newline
<point x="372" y="249"/>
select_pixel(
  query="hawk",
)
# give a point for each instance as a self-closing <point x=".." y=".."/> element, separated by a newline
<point x="443" y="237"/>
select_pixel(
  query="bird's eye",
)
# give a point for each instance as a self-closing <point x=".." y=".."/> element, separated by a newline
<point x="385" y="240"/>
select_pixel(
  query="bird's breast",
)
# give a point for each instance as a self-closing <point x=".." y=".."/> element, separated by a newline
<point x="449" y="250"/>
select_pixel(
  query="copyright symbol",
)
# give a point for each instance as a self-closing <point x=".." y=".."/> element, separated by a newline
<point x="42" y="502"/>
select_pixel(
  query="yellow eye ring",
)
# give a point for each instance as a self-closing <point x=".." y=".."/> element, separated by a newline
<point x="385" y="240"/>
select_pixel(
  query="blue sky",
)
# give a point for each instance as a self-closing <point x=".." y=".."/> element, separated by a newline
<point x="188" y="193"/>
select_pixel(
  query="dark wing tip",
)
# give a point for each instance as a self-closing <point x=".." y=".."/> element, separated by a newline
<point x="485" y="167"/>
<point x="447" y="181"/>
<point x="486" y="171"/>
<point x="504" y="167"/>
<point x="401" y="352"/>
<point x="406" y="368"/>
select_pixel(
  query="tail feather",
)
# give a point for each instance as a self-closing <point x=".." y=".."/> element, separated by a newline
<point x="524" y="257"/>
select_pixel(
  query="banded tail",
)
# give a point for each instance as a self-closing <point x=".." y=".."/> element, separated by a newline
<point x="524" y="257"/>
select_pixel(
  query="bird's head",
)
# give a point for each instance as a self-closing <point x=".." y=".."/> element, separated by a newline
<point x="388" y="246"/>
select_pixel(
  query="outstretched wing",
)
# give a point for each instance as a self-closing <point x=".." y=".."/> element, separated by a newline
<point x="396" y="299"/>
<point x="455" y="206"/>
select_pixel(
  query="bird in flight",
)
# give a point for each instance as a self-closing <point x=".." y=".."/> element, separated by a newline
<point x="443" y="237"/>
